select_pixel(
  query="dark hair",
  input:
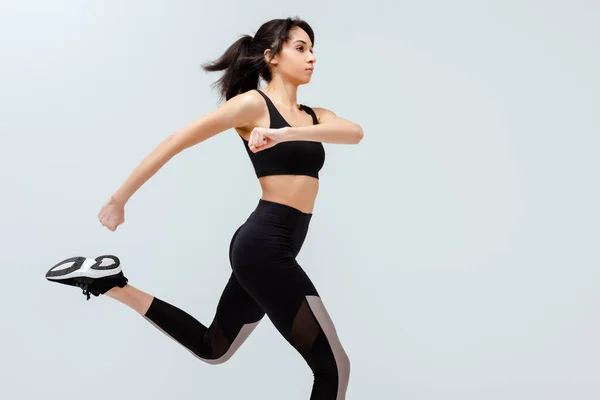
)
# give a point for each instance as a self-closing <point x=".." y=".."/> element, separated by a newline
<point x="244" y="61"/>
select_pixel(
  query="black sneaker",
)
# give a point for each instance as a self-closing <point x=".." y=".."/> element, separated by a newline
<point x="93" y="276"/>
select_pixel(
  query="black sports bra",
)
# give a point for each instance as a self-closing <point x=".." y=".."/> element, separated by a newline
<point x="297" y="157"/>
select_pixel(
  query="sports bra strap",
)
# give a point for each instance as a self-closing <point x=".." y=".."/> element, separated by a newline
<point x="273" y="109"/>
<point x="311" y="112"/>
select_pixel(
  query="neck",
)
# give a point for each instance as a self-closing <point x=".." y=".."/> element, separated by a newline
<point x="282" y="92"/>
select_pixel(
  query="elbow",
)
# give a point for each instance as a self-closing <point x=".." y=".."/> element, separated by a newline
<point x="358" y="135"/>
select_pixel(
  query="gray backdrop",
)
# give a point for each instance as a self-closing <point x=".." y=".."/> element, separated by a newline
<point x="456" y="247"/>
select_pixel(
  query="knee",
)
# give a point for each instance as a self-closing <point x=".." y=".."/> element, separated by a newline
<point x="343" y="366"/>
<point x="334" y="367"/>
<point x="212" y="351"/>
<point x="343" y="373"/>
<point x="211" y="358"/>
<point x="216" y="361"/>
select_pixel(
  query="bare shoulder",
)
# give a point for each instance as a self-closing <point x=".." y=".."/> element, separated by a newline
<point x="324" y="115"/>
<point x="253" y="104"/>
<point x="250" y="98"/>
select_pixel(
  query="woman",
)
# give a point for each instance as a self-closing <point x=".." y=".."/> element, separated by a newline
<point x="284" y="142"/>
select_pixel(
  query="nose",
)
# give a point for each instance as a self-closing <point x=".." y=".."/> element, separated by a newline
<point x="312" y="58"/>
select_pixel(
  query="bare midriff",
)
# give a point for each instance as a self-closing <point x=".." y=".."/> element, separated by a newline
<point x="297" y="191"/>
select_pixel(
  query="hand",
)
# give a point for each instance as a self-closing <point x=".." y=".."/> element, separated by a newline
<point x="112" y="214"/>
<point x="265" y="138"/>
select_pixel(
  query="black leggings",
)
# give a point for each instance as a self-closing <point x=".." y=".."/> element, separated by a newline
<point x="266" y="278"/>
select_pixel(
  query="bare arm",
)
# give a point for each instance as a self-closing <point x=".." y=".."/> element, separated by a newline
<point x="236" y="112"/>
<point x="330" y="129"/>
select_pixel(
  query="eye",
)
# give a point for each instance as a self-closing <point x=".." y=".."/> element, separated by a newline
<point x="302" y="49"/>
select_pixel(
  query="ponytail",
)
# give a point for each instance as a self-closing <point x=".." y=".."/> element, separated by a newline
<point x="242" y="68"/>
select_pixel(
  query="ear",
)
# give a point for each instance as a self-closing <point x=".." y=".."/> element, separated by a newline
<point x="270" y="58"/>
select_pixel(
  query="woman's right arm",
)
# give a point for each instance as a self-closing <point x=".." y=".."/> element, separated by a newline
<point x="237" y="111"/>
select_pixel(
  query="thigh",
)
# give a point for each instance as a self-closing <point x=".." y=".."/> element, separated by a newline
<point x="235" y="308"/>
<point x="237" y="315"/>
<point x="286" y="294"/>
<point x="264" y="263"/>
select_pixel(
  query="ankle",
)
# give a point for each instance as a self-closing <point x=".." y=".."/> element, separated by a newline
<point x="116" y="291"/>
<point x="132" y="297"/>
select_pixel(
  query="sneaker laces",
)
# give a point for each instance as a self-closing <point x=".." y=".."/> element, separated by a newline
<point x="85" y="288"/>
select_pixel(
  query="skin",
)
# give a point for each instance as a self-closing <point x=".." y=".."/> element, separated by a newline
<point x="248" y="114"/>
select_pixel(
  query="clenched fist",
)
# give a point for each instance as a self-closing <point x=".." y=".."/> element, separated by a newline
<point x="112" y="214"/>
<point x="265" y="138"/>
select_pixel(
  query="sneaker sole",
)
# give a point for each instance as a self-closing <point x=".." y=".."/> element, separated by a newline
<point x="83" y="269"/>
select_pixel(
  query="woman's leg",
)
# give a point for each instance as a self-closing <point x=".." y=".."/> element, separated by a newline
<point x="292" y="303"/>
<point x="264" y="262"/>
<point x="236" y="317"/>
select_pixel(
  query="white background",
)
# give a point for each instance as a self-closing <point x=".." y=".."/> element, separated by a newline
<point x="456" y="247"/>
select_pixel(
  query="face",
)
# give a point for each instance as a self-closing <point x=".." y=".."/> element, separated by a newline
<point x="296" y="58"/>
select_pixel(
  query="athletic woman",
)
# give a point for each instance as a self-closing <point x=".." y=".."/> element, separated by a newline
<point x="284" y="141"/>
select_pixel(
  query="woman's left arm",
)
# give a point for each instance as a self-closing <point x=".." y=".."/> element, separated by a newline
<point x="330" y="129"/>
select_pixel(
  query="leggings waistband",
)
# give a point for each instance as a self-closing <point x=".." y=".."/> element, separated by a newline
<point x="271" y="211"/>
